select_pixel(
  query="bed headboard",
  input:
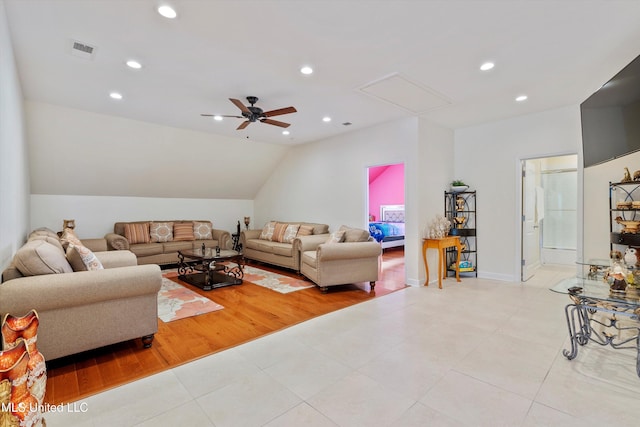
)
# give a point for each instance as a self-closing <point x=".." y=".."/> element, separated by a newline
<point x="392" y="213"/>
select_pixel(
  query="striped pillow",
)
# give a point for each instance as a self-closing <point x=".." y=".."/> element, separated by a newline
<point x="278" y="232"/>
<point x="183" y="231"/>
<point x="289" y="233"/>
<point x="137" y="232"/>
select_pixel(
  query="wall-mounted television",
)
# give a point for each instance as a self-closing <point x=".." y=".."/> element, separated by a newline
<point x="611" y="117"/>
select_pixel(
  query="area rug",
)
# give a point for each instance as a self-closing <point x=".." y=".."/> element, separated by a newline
<point x="177" y="302"/>
<point x="274" y="281"/>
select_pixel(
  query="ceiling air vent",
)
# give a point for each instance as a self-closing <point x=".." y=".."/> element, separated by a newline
<point x="82" y="50"/>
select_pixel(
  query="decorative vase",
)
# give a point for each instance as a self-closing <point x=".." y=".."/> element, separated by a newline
<point x="14" y="374"/>
<point x="15" y="330"/>
<point x="459" y="188"/>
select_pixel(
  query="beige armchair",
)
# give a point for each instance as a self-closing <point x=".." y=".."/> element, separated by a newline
<point x="342" y="263"/>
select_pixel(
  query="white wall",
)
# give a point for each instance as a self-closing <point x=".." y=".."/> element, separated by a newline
<point x="488" y="158"/>
<point x="95" y="215"/>
<point x="326" y="181"/>
<point x="14" y="171"/>
<point x="78" y="152"/>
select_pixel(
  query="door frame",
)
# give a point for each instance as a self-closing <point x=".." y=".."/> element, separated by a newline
<point x="519" y="213"/>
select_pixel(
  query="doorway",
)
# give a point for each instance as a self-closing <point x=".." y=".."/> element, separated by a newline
<point x="385" y="205"/>
<point x="549" y="212"/>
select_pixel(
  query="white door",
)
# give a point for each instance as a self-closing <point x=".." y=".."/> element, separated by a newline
<point x="530" y="222"/>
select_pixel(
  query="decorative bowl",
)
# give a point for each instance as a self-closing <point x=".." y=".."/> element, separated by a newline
<point x="459" y="188"/>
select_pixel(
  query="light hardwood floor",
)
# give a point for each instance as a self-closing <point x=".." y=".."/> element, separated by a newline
<point x="250" y="311"/>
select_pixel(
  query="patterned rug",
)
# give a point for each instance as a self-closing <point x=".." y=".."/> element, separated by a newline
<point x="177" y="302"/>
<point x="274" y="281"/>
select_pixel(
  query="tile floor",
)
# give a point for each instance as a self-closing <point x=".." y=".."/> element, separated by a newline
<point x="476" y="353"/>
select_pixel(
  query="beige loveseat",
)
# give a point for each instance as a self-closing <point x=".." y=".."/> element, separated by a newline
<point x="81" y="310"/>
<point x="351" y="257"/>
<point x="283" y="254"/>
<point x="164" y="252"/>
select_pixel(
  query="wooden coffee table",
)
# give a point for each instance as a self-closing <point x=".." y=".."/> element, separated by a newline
<point x="210" y="269"/>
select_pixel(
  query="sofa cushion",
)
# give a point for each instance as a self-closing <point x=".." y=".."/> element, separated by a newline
<point x="43" y="231"/>
<point x="146" y="249"/>
<point x="285" y="234"/>
<point x="38" y="257"/>
<point x="183" y="231"/>
<point x="177" y="246"/>
<point x="305" y="230"/>
<point x="320" y="228"/>
<point x="355" y="234"/>
<point x="283" y="249"/>
<point x="55" y="241"/>
<point x="160" y="232"/>
<point x="268" y="230"/>
<point x="276" y="248"/>
<point x="310" y="258"/>
<point x="202" y="230"/>
<point x="82" y="258"/>
<point x="137" y="232"/>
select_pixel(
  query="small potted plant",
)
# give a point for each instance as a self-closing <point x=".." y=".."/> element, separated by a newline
<point x="458" y="185"/>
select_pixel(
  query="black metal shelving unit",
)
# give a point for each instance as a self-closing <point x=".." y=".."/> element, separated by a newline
<point x="623" y="192"/>
<point x="460" y="208"/>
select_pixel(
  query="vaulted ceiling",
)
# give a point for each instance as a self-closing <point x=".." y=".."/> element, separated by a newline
<point x="373" y="61"/>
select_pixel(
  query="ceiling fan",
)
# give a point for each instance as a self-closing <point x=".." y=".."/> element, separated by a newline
<point x="255" y="114"/>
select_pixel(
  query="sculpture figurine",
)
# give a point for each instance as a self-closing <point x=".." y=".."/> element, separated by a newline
<point x="627" y="176"/>
<point x="636" y="175"/>
<point x="631" y="257"/>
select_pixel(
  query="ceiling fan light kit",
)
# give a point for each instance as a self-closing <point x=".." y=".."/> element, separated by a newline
<point x="254" y="114"/>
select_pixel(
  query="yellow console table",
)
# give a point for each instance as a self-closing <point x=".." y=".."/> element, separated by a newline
<point x="441" y="244"/>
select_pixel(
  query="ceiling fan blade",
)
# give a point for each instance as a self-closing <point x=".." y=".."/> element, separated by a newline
<point x="240" y="105"/>
<point x="275" y="123"/>
<point x="243" y="125"/>
<point x="220" y="115"/>
<point x="279" y="112"/>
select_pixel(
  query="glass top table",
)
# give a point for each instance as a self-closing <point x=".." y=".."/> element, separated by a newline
<point x="210" y="268"/>
<point x="615" y="315"/>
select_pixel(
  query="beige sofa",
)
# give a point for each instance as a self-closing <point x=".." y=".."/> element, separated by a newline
<point x="353" y="258"/>
<point x="163" y="252"/>
<point x="282" y="254"/>
<point x="81" y="310"/>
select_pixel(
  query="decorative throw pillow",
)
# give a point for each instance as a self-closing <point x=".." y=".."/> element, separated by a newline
<point x="137" y="232"/>
<point x="183" y="231"/>
<point x="285" y="233"/>
<point x="278" y="232"/>
<point x="82" y="259"/>
<point x="267" y="231"/>
<point x="69" y="236"/>
<point x="160" y="232"/>
<point x="336" y="237"/>
<point x="202" y="230"/>
<point x="305" y="230"/>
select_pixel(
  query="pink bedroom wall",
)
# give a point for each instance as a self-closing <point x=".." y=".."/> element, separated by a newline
<point x="386" y="187"/>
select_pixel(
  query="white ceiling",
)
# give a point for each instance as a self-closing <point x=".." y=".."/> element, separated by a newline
<point x="556" y="52"/>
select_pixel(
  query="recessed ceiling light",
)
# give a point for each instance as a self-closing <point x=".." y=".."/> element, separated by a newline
<point x="217" y="118"/>
<point x="521" y="98"/>
<point x="167" y="11"/>
<point x="487" y="66"/>
<point x="115" y="95"/>
<point x="134" y="64"/>
<point x="285" y="132"/>
<point x="326" y="119"/>
<point x="306" y="70"/>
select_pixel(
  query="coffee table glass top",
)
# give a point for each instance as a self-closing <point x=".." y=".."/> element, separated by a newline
<point x="209" y="253"/>
<point x="597" y="290"/>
